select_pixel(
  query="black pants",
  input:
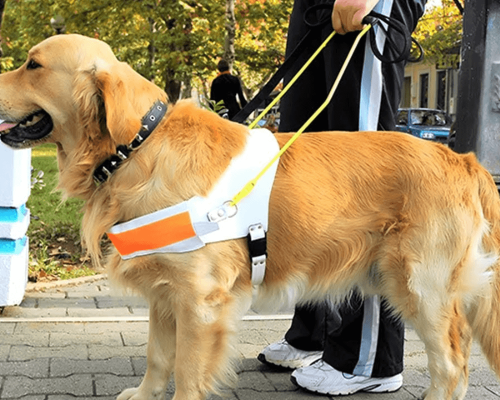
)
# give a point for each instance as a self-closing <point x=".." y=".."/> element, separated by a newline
<point x="339" y="333"/>
<point x="359" y="337"/>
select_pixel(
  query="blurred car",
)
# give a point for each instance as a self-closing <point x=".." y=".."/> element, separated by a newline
<point x="424" y="123"/>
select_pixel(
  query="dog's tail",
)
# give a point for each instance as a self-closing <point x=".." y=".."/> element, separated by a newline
<point x="484" y="311"/>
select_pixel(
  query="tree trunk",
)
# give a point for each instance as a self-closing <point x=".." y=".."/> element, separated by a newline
<point x="152" y="50"/>
<point x="186" y="90"/>
<point x="230" y="33"/>
<point x="2" y="7"/>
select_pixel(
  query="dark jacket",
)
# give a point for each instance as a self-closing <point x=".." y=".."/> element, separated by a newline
<point x="226" y="87"/>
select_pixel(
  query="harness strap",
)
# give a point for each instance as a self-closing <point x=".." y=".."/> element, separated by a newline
<point x="154" y="235"/>
<point x="257" y="248"/>
<point x="173" y="230"/>
<point x="302" y="49"/>
<point x="267" y="89"/>
<point x="400" y="47"/>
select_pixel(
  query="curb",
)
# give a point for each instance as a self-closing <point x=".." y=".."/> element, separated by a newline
<point x="58" y="320"/>
<point x="40" y="286"/>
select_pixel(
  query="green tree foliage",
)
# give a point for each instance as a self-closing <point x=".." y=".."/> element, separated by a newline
<point x="175" y="43"/>
<point x="440" y="34"/>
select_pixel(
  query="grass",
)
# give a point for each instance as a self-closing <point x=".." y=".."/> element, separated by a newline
<point x="54" y="231"/>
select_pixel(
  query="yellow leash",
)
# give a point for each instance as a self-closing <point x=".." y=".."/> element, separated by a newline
<point x="294" y="79"/>
<point x="251" y="184"/>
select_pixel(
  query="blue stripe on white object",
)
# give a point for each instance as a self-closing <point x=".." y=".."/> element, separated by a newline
<point x="13" y="214"/>
<point x="12" y="247"/>
<point x="14" y="222"/>
<point x="13" y="270"/>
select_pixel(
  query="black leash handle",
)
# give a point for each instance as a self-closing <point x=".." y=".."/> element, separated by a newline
<point x="403" y="53"/>
<point x="384" y="23"/>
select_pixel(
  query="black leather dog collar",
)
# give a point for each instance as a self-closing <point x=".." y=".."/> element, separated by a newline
<point x="149" y="123"/>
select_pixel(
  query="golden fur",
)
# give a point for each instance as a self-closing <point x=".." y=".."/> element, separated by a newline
<point x="385" y="213"/>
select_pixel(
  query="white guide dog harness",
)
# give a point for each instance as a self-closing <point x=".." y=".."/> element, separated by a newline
<point x="191" y="224"/>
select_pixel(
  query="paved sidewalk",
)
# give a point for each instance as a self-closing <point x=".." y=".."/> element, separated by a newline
<point x="86" y="342"/>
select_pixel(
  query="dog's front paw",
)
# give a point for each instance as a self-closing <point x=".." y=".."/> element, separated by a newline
<point x="128" y="394"/>
<point x="140" y="394"/>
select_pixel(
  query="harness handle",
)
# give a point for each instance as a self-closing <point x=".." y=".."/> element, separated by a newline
<point x="251" y="184"/>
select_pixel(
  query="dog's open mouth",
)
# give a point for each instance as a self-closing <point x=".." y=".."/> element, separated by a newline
<point x="25" y="133"/>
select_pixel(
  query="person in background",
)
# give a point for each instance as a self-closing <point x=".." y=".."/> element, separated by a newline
<point x="357" y="345"/>
<point x="226" y="87"/>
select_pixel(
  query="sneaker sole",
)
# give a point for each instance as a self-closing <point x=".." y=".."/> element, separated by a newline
<point x="384" y="388"/>
<point x="287" y="364"/>
<point x="377" y="388"/>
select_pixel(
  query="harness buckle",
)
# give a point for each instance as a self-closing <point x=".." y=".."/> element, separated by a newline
<point x="225" y="211"/>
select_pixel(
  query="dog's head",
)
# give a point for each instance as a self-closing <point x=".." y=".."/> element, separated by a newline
<point x="72" y="91"/>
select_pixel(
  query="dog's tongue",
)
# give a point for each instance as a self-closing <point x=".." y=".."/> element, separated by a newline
<point x="6" y="125"/>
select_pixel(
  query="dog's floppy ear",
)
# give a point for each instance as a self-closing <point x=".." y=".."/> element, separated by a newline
<point x="119" y="86"/>
<point x="89" y="103"/>
<point x="127" y="98"/>
<point x="119" y="91"/>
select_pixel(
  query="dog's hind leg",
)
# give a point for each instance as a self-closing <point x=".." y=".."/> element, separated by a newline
<point x="447" y="338"/>
<point x="421" y="294"/>
<point x="160" y="358"/>
<point x="465" y="337"/>
<point x="460" y="340"/>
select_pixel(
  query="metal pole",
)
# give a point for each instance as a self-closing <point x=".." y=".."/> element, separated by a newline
<point x="470" y="75"/>
<point x="478" y="108"/>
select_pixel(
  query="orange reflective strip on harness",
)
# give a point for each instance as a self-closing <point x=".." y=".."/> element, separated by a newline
<point x="155" y="235"/>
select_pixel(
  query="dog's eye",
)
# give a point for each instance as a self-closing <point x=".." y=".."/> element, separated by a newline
<point x="33" y="65"/>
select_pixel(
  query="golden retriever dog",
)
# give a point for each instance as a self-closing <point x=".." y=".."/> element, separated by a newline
<point x="383" y="213"/>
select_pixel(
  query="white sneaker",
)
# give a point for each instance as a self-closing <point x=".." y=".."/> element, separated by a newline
<point x="321" y="377"/>
<point x="283" y="354"/>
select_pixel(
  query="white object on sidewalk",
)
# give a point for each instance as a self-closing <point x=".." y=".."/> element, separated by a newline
<point x="15" y="184"/>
